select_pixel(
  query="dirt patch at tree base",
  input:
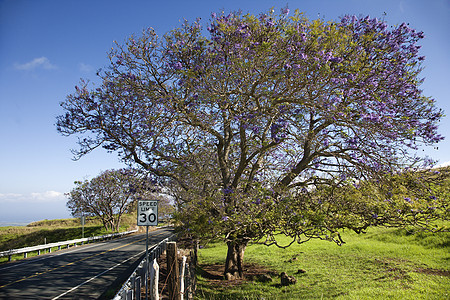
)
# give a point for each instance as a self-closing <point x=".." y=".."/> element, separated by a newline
<point x="213" y="273"/>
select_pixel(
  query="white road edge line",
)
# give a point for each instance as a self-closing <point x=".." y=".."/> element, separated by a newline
<point x="98" y="275"/>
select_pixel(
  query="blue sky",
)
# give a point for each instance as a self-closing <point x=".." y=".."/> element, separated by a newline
<point x="46" y="46"/>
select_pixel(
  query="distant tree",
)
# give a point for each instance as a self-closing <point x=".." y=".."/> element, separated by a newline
<point x="109" y="195"/>
<point x="268" y="125"/>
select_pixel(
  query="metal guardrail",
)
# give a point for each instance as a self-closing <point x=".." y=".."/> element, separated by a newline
<point x="131" y="288"/>
<point x="49" y="246"/>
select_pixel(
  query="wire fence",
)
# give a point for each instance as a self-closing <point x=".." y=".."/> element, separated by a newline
<point x="179" y="281"/>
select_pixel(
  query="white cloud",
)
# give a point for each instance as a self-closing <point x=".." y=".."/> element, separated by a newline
<point x="48" y="196"/>
<point x="85" y="68"/>
<point x="40" y="62"/>
<point x="441" y="165"/>
<point x="401" y="6"/>
<point x="10" y="195"/>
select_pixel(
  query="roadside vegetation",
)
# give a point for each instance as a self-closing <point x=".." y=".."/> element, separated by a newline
<point x="50" y="231"/>
<point x="382" y="264"/>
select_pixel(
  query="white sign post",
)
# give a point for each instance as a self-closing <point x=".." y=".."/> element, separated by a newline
<point x="147" y="215"/>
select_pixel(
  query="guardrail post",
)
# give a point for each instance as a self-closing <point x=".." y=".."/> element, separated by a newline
<point x="137" y="288"/>
<point x="132" y="285"/>
<point x="172" y="268"/>
<point x="145" y="268"/>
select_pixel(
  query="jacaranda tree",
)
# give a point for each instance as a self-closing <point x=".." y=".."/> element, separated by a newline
<point x="270" y="124"/>
<point x="109" y="195"/>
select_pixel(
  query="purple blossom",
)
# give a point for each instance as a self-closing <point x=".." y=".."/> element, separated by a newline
<point x="227" y="191"/>
<point x="258" y="201"/>
<point x="177" y="66"/>
<point x="336" y="59"/>
<point x="285" y="11"/>
<point x="352" y="143"/>
<point x="277" y="130"/>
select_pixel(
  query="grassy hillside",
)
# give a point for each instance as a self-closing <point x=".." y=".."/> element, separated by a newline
<point x="49" y="231"/>
<point x="382" y="264"/>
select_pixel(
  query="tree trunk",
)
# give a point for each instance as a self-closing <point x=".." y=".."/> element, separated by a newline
<point x="235" y="260"/>
<point x="117" y="224"/>
<point x="111" y="224"/>
<point x="105" y="224"/>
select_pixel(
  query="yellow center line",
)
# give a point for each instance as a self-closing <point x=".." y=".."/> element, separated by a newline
<point x="48" y="271"/>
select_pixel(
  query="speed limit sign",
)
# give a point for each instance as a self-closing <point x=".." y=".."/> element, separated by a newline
<point x="147" y="213"/>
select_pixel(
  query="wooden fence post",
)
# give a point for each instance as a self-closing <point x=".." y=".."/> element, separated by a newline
<point x="154" y="279"/>
<point x="172" y="268"/>
<point x="182" y="271"/>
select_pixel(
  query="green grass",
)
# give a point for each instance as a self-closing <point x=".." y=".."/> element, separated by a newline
<point x="50" y="231"/>
<point x="382" y="264"/>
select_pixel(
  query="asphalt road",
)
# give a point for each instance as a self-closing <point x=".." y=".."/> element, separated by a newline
<point x="83" y="272"/>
